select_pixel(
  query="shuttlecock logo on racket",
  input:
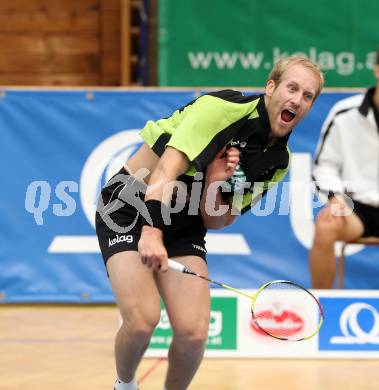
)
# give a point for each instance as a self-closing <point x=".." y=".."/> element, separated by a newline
<point x="276" y="322"/>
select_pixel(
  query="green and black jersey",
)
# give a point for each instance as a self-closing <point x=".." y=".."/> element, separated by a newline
<point x="203" y="127"/>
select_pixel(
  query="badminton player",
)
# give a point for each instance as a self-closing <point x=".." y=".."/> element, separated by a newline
<point x="202" y="167"/>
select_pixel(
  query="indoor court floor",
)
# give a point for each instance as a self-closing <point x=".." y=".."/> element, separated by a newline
<point x="71" y="348"/>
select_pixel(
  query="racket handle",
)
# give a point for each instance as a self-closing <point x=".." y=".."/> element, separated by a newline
<point x="175" y="266"/>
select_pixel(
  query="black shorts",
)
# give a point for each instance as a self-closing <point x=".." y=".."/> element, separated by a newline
<point x="119" y="224"/>
<point x="369" y="216"/>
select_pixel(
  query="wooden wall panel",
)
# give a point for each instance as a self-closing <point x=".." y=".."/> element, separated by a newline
<point x="55" y="42"/>
<point x="110" y="71"/>
<point x="58" y="63"/>
<point x="49" y="44"/>
<point x="49" y="21"/>
<point x="49" y="79"/>
<point x="28" y="5"/>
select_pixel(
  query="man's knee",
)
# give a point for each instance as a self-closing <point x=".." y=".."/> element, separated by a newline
<point x="138" y="324"/>
<point x="192" y="339"/>
<point x="326" y="230"/>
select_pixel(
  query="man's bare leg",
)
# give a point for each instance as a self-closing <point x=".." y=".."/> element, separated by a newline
<point x="139" y="304"/>
<point x="188" y="306"/>
<point x="328" y="230"/>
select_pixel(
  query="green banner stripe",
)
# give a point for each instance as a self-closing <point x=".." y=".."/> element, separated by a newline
<point x="216" y="43"/>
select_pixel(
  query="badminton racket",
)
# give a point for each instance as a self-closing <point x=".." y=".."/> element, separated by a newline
<point x="281" y="309"/>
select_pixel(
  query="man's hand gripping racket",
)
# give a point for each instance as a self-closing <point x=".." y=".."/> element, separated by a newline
<point x="272" y="304"/>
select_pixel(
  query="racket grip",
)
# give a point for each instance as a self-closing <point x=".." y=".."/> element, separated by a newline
<point x="175" y="266"/>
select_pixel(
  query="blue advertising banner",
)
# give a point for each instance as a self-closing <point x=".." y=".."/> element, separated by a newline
<point x="59" y="147"/>
<point x="352" y="324"/>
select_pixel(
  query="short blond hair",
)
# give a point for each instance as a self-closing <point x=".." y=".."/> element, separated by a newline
<point x="282" y="65"/>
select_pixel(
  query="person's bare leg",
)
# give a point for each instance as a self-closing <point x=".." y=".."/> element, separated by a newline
<point x="188" y="306"/>
<point x="322" y="259"/>
<point x="139" y="304"/>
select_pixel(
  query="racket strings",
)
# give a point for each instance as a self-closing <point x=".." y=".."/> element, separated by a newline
<point x="286" y="311"/>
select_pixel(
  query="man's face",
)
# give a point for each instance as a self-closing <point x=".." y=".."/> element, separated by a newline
<point x="289" y="101"/>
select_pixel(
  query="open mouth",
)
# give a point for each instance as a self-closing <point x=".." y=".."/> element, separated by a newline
<point x="288" y="115"/>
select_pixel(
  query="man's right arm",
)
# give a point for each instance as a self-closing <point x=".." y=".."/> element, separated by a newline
<point x="328" y="162"/>
<point x="215" y="211"/>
